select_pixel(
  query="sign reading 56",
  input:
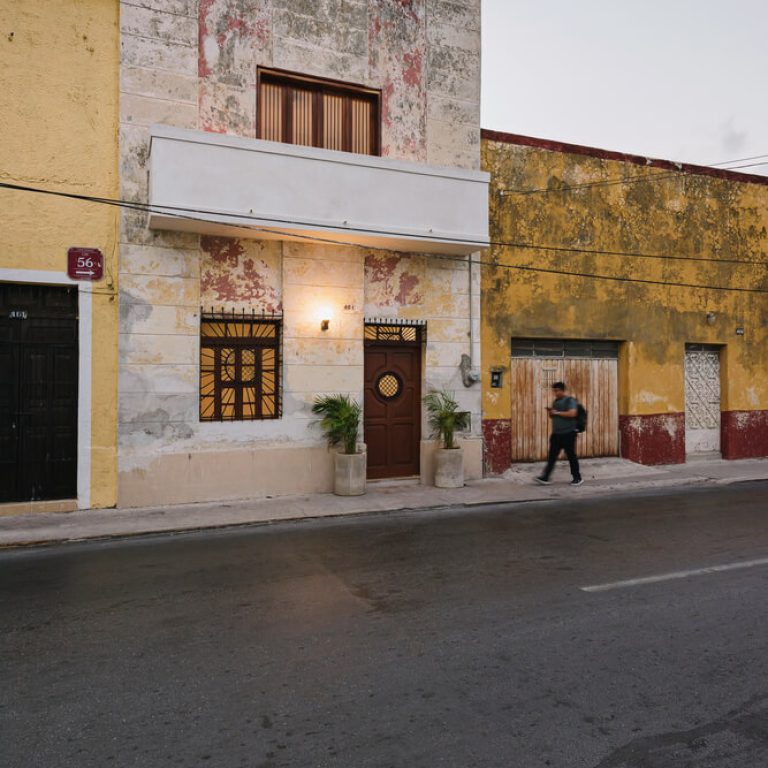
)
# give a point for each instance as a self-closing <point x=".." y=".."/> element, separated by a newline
<point x="85" y="264"/>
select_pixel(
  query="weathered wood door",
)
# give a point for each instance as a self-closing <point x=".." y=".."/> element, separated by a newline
<point x="392" y="408"/>
<point x="702" y="399"/>
<point x="38" y="392"/>
<point x="594" y="383"/>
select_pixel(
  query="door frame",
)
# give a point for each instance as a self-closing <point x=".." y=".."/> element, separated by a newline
<point x="372" y="340"/>
<point x="84" y="367"/>
<point x="699" y="347"/>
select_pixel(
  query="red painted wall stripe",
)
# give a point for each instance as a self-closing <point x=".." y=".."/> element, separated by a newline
<point x="657" y="438"/>
<point x="744" y="434"/>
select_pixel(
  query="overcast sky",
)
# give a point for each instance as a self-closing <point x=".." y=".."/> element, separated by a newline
<point x="676" y="79"/>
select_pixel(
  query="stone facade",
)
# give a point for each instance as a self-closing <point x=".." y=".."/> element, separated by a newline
<point x="193" y="65"/>
<point x="655" y="231"/>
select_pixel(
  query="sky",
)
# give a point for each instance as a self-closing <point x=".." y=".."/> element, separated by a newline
<point x="681" y="80"/>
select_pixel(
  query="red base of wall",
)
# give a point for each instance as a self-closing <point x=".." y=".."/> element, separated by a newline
<point x="658" y="438"/>
<point x="497" y="446"/>
<point x="744" y="434"/>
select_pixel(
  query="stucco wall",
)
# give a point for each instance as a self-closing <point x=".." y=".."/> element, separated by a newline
<point x="678" y="213"/>
<point x="58" y="122"/>
<point x="193" y="65"/>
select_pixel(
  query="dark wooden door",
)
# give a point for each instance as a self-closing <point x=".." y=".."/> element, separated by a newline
<point x="392" y="410"/>
<point x="38" y="392"/>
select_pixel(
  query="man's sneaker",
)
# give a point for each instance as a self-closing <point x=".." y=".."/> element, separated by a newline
<point x="542" y="480"/>
<point x="577" y="482"/>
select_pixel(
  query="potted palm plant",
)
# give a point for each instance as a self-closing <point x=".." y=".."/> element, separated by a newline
<point x="340" y="422"/>
<point x="445" y="419"/>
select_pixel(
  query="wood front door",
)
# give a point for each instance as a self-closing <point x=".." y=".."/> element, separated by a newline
<point x="392" y="409"/>
<point x="594" y="383"/>
<point x="38" y="392"/>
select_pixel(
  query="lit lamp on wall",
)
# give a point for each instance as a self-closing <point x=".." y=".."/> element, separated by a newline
<point x="324" y="315"/>
<point x="711" y="317"/>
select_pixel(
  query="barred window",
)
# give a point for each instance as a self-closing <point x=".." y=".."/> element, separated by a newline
<point x="295" y="109"/>
<point x="239" y="368"/>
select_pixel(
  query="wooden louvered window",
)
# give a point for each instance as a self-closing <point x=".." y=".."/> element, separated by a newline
<point x="317" y="113"/>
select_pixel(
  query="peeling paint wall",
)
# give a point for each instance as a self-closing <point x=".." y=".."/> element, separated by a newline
<point x="545" y="194"/>
<point x="193" y="64"/>
<point x="59" y="68"/>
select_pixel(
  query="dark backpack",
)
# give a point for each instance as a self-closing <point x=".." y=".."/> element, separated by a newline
<point x="581" y="418"/>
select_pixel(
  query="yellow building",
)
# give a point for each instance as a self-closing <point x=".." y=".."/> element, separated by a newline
<point x="58" y="335"/>
<point x="642" y="284"/>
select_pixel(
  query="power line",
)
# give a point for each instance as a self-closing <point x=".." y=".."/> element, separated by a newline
<point x="184" y="213"/>
<point x="637" y="179"/>
<point x="146" y="207"/>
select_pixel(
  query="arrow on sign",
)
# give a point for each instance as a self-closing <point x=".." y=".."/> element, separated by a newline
<point x="84" y="272"/>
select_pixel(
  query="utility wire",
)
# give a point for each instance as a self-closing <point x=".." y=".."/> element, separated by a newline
<point x="185" y="213"/>
<point x="171" y="210"/>
<point x="637" y="179"/>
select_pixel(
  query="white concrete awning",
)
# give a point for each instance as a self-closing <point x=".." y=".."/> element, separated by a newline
<point x="226" y="185"/>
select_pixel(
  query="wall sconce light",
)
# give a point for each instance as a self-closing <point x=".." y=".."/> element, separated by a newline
<point x="739" y="331"/>
<point x="711" y="317"/>
<point x="324" y="324"/>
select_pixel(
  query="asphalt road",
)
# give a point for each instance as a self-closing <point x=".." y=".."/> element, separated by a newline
<point x="447" y="638"/>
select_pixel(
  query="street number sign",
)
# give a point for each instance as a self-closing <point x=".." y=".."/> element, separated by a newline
<point x="85" y="264"/>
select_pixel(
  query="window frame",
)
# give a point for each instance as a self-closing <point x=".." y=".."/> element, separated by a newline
<point x="319" y="87"/>
<point x="240" y="343"/>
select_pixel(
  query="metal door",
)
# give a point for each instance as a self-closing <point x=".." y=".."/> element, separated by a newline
<point x="592" y="380"/>
<point x="392" y="403"/>
<point x="38" y="392"/>
<point x="702" y="399"/>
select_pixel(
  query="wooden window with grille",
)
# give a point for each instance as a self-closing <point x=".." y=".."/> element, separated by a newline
<point x="239" y="368"/>
<point x="294" y="109"/>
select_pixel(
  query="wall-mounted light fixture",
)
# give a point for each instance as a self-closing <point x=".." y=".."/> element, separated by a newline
<point x="711" y="317"/>
<point x="739" y="331"/>
<point x="324" y="324"/>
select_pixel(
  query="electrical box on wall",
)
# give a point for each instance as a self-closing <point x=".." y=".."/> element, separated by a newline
<point x="497" y="375"/>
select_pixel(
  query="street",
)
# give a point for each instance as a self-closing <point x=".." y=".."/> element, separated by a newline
<point x="499" y="636"/>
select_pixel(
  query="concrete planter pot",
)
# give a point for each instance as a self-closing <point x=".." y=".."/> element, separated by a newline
<point x="449" y="468"/>
<point x="350" y="472"/>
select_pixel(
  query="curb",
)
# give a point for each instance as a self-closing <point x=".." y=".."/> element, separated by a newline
<point x="554" y="494"/>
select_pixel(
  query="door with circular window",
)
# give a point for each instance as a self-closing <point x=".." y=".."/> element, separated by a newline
<point x="392" y="405"/>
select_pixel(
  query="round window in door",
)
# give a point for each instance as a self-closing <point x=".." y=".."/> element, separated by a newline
<point x="389" y="385"/>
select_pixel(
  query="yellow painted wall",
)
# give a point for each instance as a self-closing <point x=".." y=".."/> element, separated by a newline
<point x="58" y="121"/>
<point x="664" y="213"/>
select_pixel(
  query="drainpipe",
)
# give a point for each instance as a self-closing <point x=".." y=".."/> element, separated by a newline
<point x="469" y="376"/>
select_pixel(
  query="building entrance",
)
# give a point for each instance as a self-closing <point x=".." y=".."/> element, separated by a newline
<point x="392" y="403"/>
<point x="38" y="392"/>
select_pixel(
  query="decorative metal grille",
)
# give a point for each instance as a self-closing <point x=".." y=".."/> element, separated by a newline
<point x="566" y="348"/>
<point x="396" y="334"/>
<point x="389" y="385"/>
<point x="240" y="367"/>
<point x="702" y="387"/>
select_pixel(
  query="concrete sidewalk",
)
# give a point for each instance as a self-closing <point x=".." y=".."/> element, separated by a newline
<point x="602" y="477"/>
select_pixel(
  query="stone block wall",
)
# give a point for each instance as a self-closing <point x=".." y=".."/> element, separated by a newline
<point x="193" y="64"/>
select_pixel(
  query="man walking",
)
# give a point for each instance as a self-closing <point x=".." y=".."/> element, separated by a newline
<point x="564" y="430"/>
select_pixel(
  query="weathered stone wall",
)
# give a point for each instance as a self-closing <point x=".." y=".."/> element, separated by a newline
<point x="625" y="217"/>
<point x="193" y="65"/>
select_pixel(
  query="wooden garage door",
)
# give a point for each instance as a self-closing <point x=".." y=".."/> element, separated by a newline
<point x="592" y="380"/>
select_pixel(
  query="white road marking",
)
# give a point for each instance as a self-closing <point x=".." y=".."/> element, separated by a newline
<point x="675" y="575"/>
